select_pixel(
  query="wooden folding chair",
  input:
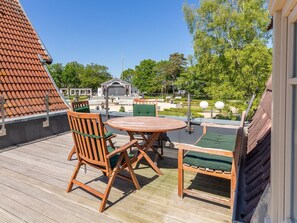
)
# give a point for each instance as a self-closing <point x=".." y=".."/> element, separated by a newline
<point x="214" y="155"/>
<point x="145" y="107"/>
<point x="83" y="107"/>
<point x="148" y="107"/>
<point x="90" y="143"/>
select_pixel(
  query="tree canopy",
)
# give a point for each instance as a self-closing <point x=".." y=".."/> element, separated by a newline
<point x="145" y="76"/>
<point x="74" y="74"/>
<point x="156" y="76"/>
<point x="94" y="75"/>
<point x="127" y="75"/>
<point x="71" y="73"/>
<point x="232" y="58"/>
<point x="230" y="44"/>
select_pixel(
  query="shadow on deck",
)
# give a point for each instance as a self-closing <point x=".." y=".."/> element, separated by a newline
<point x="34" y="178"/>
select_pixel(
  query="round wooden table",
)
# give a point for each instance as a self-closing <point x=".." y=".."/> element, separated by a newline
<point x="139" y="125"/>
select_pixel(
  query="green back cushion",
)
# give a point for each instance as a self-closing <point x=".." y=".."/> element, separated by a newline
<point x="84" y="109"/>
<point x="114" y="159"/>
<point x="144" y="110"/>
<point x="215" y="162"/>
<point x="108" y="134"/>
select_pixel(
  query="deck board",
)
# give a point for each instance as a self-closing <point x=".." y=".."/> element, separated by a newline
<point x="34" y="178"/>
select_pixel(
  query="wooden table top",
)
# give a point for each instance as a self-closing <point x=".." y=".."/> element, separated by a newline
<point x="146" y="124"/>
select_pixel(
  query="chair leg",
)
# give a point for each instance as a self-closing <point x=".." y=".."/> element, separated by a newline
<point x="131" y="138"/>
<point x="110" y="183"/>
<point x="180" y="174"/>
<point x="107" y="191"/>
<point x="70" y="185"/>
<point x="232" y="191"/>
<point x="71" y="153"/>
<point x="161" y="143"/>
<point x="232" y="184"/>
<point x="133" y="176"/>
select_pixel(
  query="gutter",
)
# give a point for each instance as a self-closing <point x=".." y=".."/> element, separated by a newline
<point x="34" y="117"/>
<point x="57" y="89"/>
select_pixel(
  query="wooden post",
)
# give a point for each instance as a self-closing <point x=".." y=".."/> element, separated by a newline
<point x="189" y="114"/>
<point x="46" y="101"/>
<point x="2" y="130"/>
<point x="106" y="103"/>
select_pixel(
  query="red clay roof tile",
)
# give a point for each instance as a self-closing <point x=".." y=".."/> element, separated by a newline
<point x="23" y="79"/>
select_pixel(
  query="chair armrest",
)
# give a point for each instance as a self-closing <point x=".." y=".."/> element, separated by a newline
<point x="105" y="129"/>
<point x="122" y="148"/>
<point x="213" y="151"/>
<point x="112" y="136"/>
<point x="208" y="124"/>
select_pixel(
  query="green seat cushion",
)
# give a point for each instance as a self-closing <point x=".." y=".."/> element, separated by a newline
<point x="84" y="109"/>
<point x="114" y="159"/>
<point x="206" y="160"/>
<point x="144" y="110"/>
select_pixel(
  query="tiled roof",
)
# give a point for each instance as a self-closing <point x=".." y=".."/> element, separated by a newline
<point x="256" y="163"/>
<point x="270" y="25"/>
<point x="23" y="79"/>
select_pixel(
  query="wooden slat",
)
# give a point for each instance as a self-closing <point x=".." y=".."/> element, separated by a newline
<point x="98" y="142"/>
<point x="87" y="139"/>
<point x="93" y="141"/>
<point x="206" y="197"/>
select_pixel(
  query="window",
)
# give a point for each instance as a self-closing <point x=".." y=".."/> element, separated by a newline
<point x="294" y="148"/>
<point x="292" y="122"/>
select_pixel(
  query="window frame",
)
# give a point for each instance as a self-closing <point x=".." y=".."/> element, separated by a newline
<point x="291" y="116"/>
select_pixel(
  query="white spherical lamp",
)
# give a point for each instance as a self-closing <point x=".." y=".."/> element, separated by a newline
<point x="219" y="105"/>
<point x="203" y="104"/>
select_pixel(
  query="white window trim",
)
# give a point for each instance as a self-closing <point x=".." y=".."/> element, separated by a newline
<point x="285" y="14"/>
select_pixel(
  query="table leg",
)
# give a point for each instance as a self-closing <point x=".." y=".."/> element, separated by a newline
<point x="143" y="150"/>
<point x="158" y="155"/>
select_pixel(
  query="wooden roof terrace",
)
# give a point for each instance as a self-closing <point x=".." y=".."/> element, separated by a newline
<point x="34" y="178"/>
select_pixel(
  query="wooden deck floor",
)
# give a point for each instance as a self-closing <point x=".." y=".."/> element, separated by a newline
<point x="34" y="178"/>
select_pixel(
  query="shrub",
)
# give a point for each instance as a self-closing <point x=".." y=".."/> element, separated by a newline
<point x="122" y="109"/>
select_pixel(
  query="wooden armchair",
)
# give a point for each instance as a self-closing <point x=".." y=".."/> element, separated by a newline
<point x="90" y="144"/>
<point x="215" y="155"/>
<point x="83" y="107"/>
<point x="145" y="107"/>
<point x="148" y="107"/>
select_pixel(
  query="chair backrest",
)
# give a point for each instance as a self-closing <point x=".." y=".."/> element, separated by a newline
<point x="145" y="107"/>
<point x="81" y="106"/>
<point x="88" y="136"/>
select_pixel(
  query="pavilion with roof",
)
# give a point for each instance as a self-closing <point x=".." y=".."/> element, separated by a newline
<point x="117" y="87"/>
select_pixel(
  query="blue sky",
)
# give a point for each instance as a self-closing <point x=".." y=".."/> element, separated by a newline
<point x="104" y="31"/>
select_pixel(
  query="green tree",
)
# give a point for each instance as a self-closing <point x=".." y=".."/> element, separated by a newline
<point x="94" y="75"/>
<point x="56" y="71"/>
<point x="230" y="45"/>
<point x="163" y="71"/>
<point x="191" y="81"/>
<point x="145" y="77"/>
<point x="71" y="73"/>
<point x="177" y="66"/>
<point x="127" y="75"/>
